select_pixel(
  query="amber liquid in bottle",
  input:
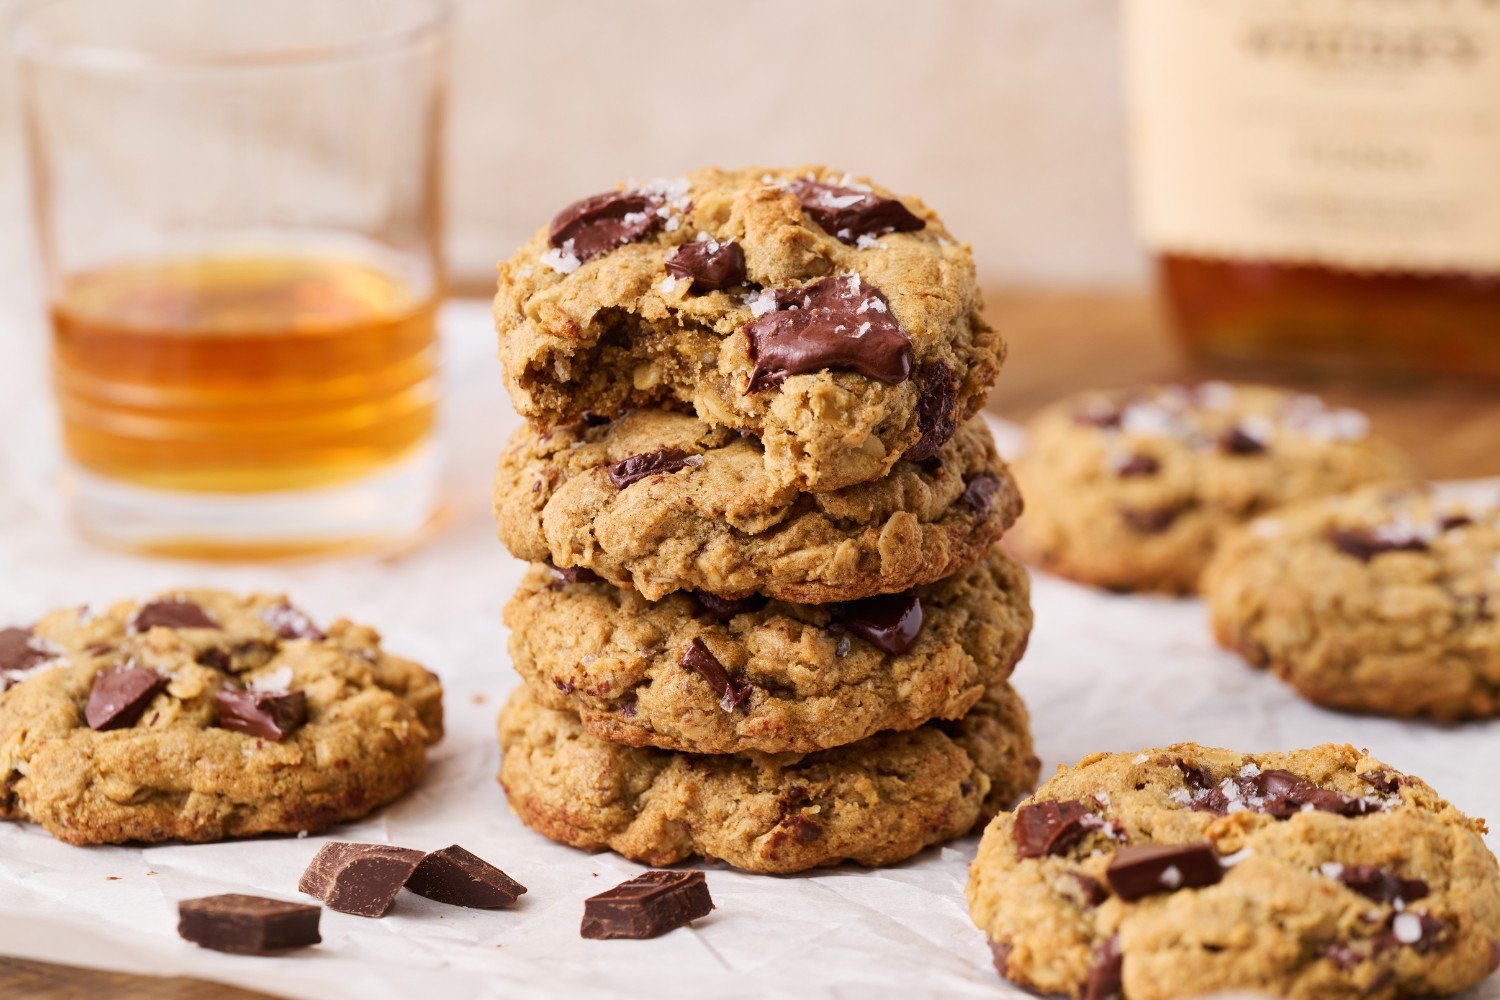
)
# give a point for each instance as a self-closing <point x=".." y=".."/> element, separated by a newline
<point x="243" y="374"/>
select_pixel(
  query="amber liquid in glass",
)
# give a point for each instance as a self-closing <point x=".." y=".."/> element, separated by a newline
<point x="243" y="374"/>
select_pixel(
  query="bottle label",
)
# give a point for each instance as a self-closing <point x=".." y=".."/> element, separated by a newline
<point x="1360" y="134"/>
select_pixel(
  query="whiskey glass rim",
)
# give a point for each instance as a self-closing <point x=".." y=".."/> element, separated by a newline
<point x="421" y="20"/>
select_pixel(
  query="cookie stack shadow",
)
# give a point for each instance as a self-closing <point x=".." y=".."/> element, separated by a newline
<point x="766" y="620"/>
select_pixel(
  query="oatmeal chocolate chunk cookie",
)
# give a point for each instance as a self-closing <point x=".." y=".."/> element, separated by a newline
<point x="1132" y="490"/>
<point x="660" y="501"/>
<point x="1188" y="871"/>
<point x="709" y="676"/>
<point x="202" y="715"/>
<point x="876" y="802"/>
<point x="836" y="323"/>
<point x="1385" y="600"/>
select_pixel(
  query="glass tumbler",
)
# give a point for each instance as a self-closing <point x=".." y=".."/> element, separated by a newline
<point x="237" y="205"/>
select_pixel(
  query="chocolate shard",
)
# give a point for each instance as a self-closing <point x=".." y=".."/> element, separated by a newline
<point x="269" y="716"/>
<point x="889" y="622"/>
<point x="637" y="467"/>
<point x="1365" y="544"/>
<point x="459" y="878"/>
<point x="934" y="411"/>
<point x="1137" y="465"/>
<point x="361" y="879"/>
<point x="710" y="265"/>
<point x="647" y="906"/>
<point x="723" y="608"/>
<point x="849" y="213"/>
<point x="291" y="622"/>
<point x="1051" y="827"/>
<point x="1381" y="885"/>
<point x="598" y="224"/>
<point x="834" y="322"/>
<point x="247" y="925"/>
<point x="734" y="692"/>
<point x="1150" y="520"/>
<point x="1106" y="979"/>
<point x="979" y="492"/>
<point x="171" y="614"/>
<point x="1238" y="441"/>
<point x="119" y="695"/>
<point x="1137" y="872"/>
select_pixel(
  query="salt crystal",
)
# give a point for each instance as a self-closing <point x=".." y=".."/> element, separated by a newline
<point x="865" y="241"/>
<point x="1265" y="527"/>
<point x="1407" y="928"/>
<point x="523" y="272"/>
<point x="761" y="302"/>
<point x="672" y="224"/>
<point x="1249" y="771"/>
<point x="1230" y="860"/>
<point x="1332" y="869"/>
<point x="1171" y="877"/>
<point x="864" y="328"/>
<point x="668" y="285"/>
<point x="1140" y="758"/>
<point x="561" y="259"/>
<point x="279" y="679"/>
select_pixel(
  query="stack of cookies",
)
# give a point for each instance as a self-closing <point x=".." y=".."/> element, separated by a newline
<point x="766" y="620"/>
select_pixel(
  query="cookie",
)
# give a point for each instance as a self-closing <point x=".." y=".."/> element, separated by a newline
<point x="875" y="802"/>
<point x="201" y="715"/>
<point x="1132" y="490"/>
<point x="838" y="324"/>
<point x="1188" y="871"/>
<point x="1383" y="601"/>
<point x="661" y="501"/>
<point x="708" y="676"/>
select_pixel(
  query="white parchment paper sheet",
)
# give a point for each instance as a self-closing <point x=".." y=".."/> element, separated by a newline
<point x="1102" y="673"/>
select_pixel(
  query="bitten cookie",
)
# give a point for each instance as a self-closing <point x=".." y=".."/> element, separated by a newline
<point x="661" y="501"/>
<point x="835" y="322"/>
<point x="1133" y="490"/>
<point x="1188" y="871"/>
<point x="708" y="676"/>
<point x="875" y="802"/>
<point x="1384" y="601"/>
<point x="201" y="715"/>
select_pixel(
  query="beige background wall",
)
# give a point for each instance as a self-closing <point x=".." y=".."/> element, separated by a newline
<point x="1004" y="114"/>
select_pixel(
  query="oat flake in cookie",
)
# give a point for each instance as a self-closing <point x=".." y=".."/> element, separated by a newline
<point x="832" y="320"/>
<point x="1383" y="601"/>
<point x="202" y="715"/>
<point x="1187" y="871"/>
<point x="1134" y="489"/>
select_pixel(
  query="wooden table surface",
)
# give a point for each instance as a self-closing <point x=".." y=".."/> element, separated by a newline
<point x="1058" y="343"/>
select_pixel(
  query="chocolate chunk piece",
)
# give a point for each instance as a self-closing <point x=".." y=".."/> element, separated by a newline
<point x="889" y="622"/>
<point x="646" y="906"/>
<point x="263" y="714"/>
<point x="291" y="623"/>
<point x="459" y="878"/>
<point x="1137" y="872"/>
<point x="1000" y="954"/>
<point x="1107" y="976"/>
<point x="638" y="467"/>
<point x="934" y="411"/>
<point x="1280" y="794"/>
<point x="1385" y="781"/>
<point x="835" y="322"/>
<point x="1137" y="465"/>
<point x="20" y="650"/>
<point x="247" y="925"/>
<point x="724" y="609"/>
<point x="802" y="829"/>
<point x="1380" y="885"/>
<point x="1193" y="774"/>
<point x="710" y="265"/>
<point x="734" y="692"/>
<point x="1238" y="441"/>
<point x="1452" y="522"/>
<point x="979" y="493"/>
<point x="848" y="213"/>
<point x="1051" y="827"/>
<point x="1365" y="544"/>
<point x="171" y="614"/>
<point x="361" y="879"/>
<point x="575" y="574"/>
<point x="596" y="225"/>
<point x="1150" y="520"/>
<point x="119" y="696"/>
<point x="1090" y="891"/>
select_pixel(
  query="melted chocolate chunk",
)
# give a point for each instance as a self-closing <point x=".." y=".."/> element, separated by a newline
<point x="459" y="878"/>
<point x="802" y="829"/>
<point x="1384" y="780"/>
<point x="1107" y="977"/>
<point x="217" y="658"/>
<point x="1137" y="872"/>
<point x="361" y="879"/>
<point x="848" y="213"/>
<point x="267" y="716"/>
<point x="603" y="222"/>
<point x="19" y="652"/>
<point x="119" y="696"/>
<point x="1051" y="827"/>
<point x="638" y="467"/>
<point x="1151" y="520"/>
<point x="1238" y="441"/>
<point x="647" y="906"/>
<point x="291" y="622"/>
<point x="1365" y="544"/>
<point x="711" y="266"/>
<point x="1137" y="465"/>
<point x="979" y="493"/>
<point x="247" y="925"/>
<point x="171" y="614"/>
<point x="734" y="692"/>
<point x="889" y="622"/>
<point x="724" y="608"/>
<point x="934" y="411"/>
<point x="1193" y="774"/>
<point x="1280" y="794"/>
<point x="1381" y="885"/>
<point x="1091" y="891"/>
<point x="574" y="574"/>
<point x="836" y="322"/>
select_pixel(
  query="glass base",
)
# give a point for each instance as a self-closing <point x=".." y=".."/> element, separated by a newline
<point x="387" y="510"/>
